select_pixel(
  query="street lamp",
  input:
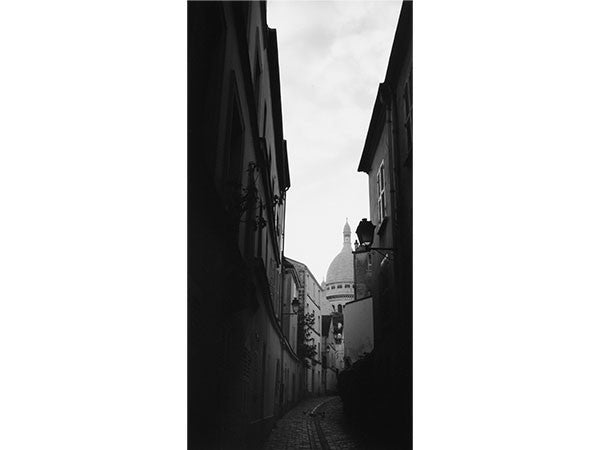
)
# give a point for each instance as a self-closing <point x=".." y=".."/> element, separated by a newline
<point x="295" y="306"/>
<point x="365" y="232"/>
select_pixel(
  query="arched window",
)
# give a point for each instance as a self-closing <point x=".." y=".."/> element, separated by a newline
<point x="339" y="308"/>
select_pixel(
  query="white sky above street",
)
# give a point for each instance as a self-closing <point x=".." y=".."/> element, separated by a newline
<point x="332" y="57"/>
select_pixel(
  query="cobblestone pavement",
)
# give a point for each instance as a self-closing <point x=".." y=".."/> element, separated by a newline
<point x="315" y="424"/>
<point x="340" y="435"/>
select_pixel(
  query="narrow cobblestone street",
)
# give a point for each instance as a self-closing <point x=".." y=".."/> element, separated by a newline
<point x="316" y="423"/>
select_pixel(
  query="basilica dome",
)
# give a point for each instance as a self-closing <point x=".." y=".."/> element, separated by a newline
<point x="341" y="268"/>
<point x="340" y="275"/>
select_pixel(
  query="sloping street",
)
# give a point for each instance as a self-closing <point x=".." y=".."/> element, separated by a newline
<point x="316" y="423"/>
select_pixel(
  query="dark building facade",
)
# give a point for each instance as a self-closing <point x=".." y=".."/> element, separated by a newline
<point x="385" y="404"/>
<point x="243" y="371"/>
<point x="363" y="273"/>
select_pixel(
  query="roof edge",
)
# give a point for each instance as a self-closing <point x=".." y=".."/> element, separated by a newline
<point x="375" y="125"/>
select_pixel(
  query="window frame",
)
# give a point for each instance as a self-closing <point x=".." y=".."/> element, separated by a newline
<point x="381" y="204"/>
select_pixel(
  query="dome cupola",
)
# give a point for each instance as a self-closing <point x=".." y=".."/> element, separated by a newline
<point x="340" y="275"/>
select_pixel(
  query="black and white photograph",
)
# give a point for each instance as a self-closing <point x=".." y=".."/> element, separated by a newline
<point x="300" y="153"/>
<point x="299" y="224"/>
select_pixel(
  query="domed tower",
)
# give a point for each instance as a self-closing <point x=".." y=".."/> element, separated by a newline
<point x="339" y="285"/>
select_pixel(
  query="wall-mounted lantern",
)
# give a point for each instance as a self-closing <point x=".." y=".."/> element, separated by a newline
<point x="365" y="232"/>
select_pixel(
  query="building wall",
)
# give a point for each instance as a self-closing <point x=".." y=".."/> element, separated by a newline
<point x="239" y="357"/>
<point x="326" y="307"/>
<point x="340" y="292"/>
<point x="337" y="339"/>
<point x="330" y="383"/>
<point x="363" y="273"/>
<point x="332" y="360"/>
<point x="383" y="288"/>
<point x="389" y="141"/>
<point x="310" y="296"/>
<point x="312" y="304"/>
<point x="358" y="328"/>
<point x="290" y="293"/>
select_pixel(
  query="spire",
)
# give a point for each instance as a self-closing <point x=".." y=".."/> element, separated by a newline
<point x="347" y="233"/>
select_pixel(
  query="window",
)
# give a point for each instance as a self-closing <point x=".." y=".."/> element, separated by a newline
<point x="339" y="310"/>
<point x="381" y="192"/>
<point x="346" y="285"/>
<point x="339" y="286"/>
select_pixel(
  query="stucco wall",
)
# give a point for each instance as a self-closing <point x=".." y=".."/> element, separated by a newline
<point x="358" y="328"/>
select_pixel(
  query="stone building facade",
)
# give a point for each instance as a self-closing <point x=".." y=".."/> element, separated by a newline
<point x="242" y="365"/>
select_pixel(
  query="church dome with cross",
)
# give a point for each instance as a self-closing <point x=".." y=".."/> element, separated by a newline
<point x="339" y="284"/>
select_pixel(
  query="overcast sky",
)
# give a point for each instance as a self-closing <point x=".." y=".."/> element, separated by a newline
<point x="332" y="57"/>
